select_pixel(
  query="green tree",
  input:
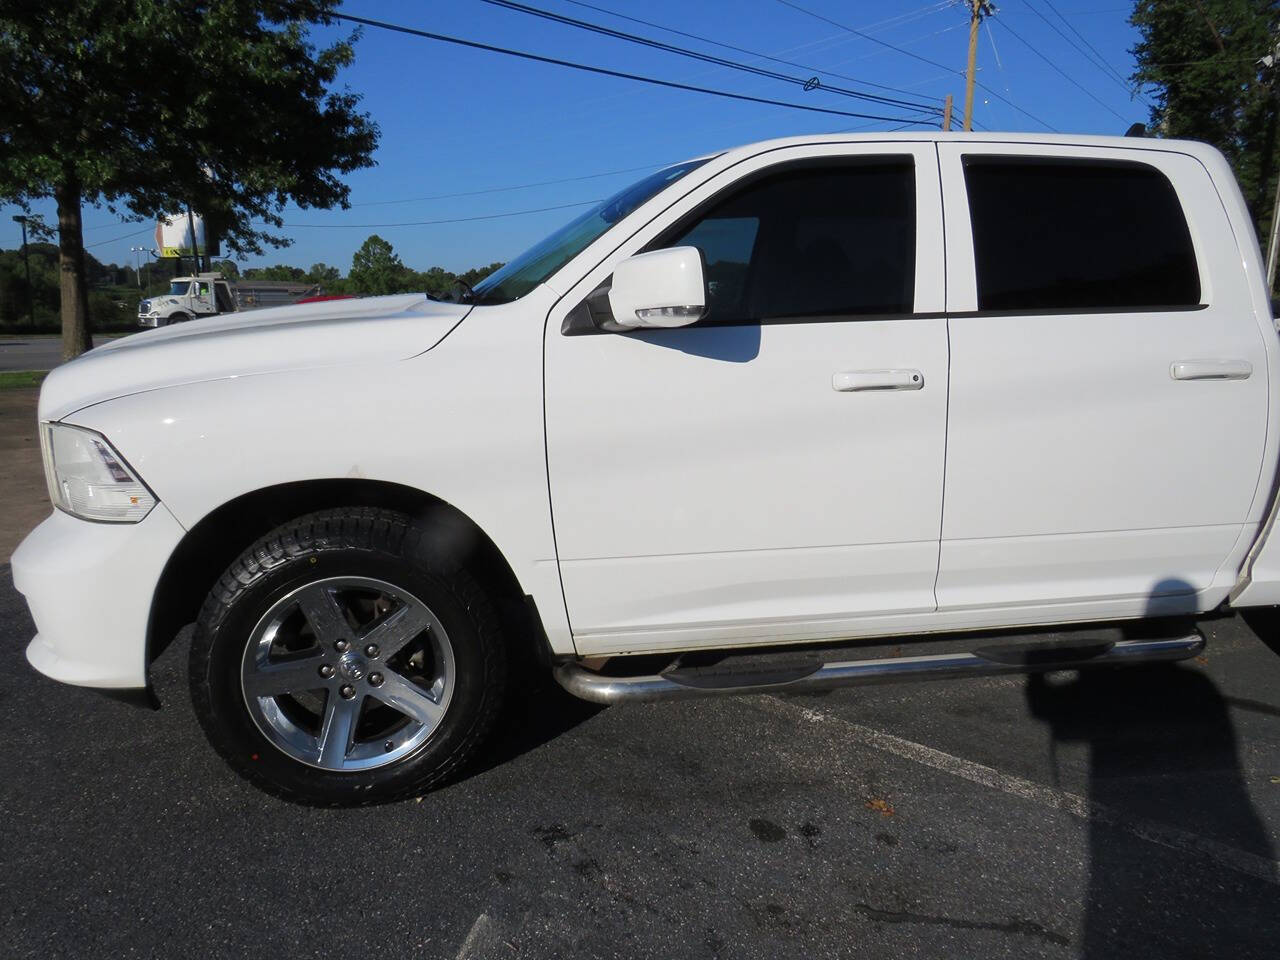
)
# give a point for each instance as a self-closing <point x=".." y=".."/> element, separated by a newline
<point x="1201" y="60"/>
<point x="324" y="274"/>
<point x="376" y="269"/>
<point x="277" y="272"/>
<point x="476" y="274"/>
<point x="234" y="115"/>
<point x="227" y="268"/>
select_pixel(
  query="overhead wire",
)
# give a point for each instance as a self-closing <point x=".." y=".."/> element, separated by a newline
<point x="429" y="223"/>
<point x="811" y="83"/>
<point x="604" y="71"/>
<point x="99" y="243"/>
<point x="916" y="56"/>
<point x="1085" y="40"/>
<point x="517" y="186"/>
<point x="1070" y="79"/>
<point x="1108" y="71"/>
<point x="775" y="59"/>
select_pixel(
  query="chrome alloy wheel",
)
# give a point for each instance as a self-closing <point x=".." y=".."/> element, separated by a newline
<point x="348" y="674"/>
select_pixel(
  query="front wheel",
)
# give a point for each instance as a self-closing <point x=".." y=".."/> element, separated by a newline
<point x="345" y="659"/>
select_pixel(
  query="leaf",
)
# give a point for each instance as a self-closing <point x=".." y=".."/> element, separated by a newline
<point x="881" y="807"/>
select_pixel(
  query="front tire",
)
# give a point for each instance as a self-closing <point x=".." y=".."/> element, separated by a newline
<point x="346" y="659"/>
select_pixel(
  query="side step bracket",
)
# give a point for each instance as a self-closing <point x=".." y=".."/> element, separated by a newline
<point x="748" y="673"/>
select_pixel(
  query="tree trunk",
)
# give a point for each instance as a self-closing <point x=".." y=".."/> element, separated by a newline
<point x="73" y="287"/>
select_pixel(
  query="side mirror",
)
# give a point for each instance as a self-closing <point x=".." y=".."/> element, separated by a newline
<point x="663" y="288"/>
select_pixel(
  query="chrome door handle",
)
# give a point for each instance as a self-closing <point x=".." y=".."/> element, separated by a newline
<point x="1211" y="370"/>
<point x="851" y="381"/>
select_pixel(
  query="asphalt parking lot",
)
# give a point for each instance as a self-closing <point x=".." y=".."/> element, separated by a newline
<point x="1129" y="813"/>
<point x="34" y="353"/>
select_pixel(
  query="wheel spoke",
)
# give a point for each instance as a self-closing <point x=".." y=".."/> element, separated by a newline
<point x="409" y="698"/>
<point x="396" y="629"/>
<point x="288" y="676"/>
<point x="338" y="730"/>
<point x="320" y="606"/>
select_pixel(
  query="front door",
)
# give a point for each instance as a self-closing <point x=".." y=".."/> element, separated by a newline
<point x="773" y="472"/>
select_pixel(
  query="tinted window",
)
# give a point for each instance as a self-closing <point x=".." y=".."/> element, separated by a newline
<point x="1055" y="234"/>
<point x="817" y="241"/>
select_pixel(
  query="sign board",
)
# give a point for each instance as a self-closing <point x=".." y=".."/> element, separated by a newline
<point x="173" y="237"/>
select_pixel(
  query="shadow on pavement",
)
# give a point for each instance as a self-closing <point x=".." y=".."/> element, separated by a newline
<point x="536" y="714"/>
<point x="1163" y="750"/>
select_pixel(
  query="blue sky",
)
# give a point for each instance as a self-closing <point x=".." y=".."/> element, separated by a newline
<point x="456" y="120"/>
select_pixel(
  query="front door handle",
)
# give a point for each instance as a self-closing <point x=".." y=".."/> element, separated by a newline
<point x="1211" y="370"/>
<point x="851" y="381"/>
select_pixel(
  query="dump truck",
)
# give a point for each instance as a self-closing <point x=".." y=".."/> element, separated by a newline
<point x="209" y="294"/>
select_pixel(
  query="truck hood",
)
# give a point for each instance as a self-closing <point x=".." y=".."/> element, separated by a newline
<point x="295" y="337"/>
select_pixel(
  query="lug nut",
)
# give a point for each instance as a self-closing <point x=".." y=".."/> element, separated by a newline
<point x="326" y="671"/>
<point x="389" y="746"/>
<point x="341" y="646"/>
<point x="375" y="679"/>
<point x="347" y="691"/>
<point x="371" y="650"/>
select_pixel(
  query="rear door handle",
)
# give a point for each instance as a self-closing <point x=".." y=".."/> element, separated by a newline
<point x="851" y="381"/>
<point x="1211" y="370"/>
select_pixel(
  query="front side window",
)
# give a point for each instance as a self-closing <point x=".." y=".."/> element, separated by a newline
<point x="1052" y="234"/>
<point x="813" y="241"/>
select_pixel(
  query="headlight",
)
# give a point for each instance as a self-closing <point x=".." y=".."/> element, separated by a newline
<point x="88" y="479"/>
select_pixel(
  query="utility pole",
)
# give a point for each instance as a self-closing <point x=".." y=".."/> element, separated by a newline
<point x="947" y="107"/>
<point x="26" y="263"/>
<point x="195" y="250"/>
<point x="977" y="10"/>
<point x="137" y="264"/>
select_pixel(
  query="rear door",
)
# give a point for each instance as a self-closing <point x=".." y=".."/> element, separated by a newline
<point x="743" y="478"/>
<point x="1108" y="401"/>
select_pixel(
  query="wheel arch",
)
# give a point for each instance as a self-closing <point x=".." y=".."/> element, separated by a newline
<point x="225" y="532"/>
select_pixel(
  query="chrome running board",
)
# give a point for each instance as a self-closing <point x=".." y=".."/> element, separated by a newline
<point x="750" y="672"/>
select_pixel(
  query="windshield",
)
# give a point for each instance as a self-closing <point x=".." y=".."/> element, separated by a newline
<point x="543" y="259"/>
<point x="178" y="288"/>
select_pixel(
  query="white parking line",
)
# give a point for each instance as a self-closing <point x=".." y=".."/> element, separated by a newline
<point x="1262" y="868"/>
<point x="481" y="936"/>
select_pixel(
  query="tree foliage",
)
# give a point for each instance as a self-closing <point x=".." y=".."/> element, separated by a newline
<point x="154" y="106"/>
<point x="377" y="269"/>
<point x="113" y="301"/>
<point x="278" y="272"/>
<point x="1201" y="59"/>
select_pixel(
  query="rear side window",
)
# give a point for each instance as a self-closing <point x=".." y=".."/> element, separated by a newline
<point x="816" y="241"/>
<point x="1066" y="234"/>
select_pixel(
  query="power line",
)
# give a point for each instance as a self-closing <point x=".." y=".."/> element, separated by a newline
<point x="1085" y="40"/>
<point x="865" y="36"/>
<point x="429" y="223"/>
<point x="765" y="56"/>
<point x="811" y="83"/>
<point x="603" y="71"/>
<point x="126" y="236"/>
<point x="916" y="56"/>
<point x="1070" y="79"/>
<point x="1095" y="58"/>
<point x="518" y="186"/>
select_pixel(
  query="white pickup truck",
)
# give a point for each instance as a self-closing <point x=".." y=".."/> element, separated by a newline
<point x="1015" y="393"/>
